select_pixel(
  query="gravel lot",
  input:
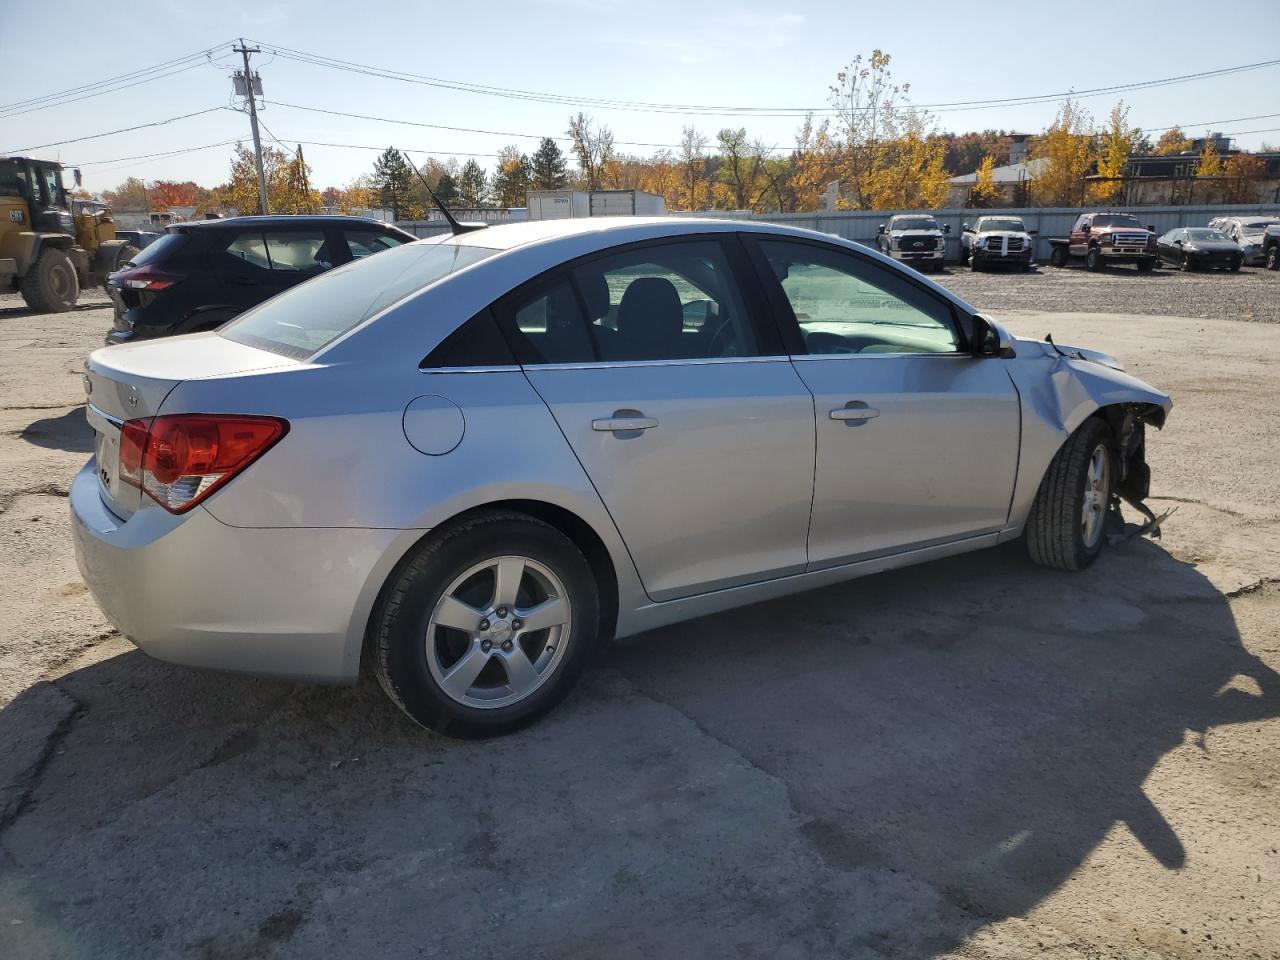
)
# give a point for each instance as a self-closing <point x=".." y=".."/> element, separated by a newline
<point x="971" y="759"/>
<point x="1251" y="294"/>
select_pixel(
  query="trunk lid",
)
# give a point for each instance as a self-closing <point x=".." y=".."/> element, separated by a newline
<point x="133" y="380"/>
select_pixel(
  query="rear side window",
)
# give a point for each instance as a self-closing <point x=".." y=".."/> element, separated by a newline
<point x="298" y="251"/>
<point x="307" y="317"/>
<point x="250" y="248"/>
<point x="546" y="325"/>
<point x="162" y="249"/>
<point x="362" y="243"/>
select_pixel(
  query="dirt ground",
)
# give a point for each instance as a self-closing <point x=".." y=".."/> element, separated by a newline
<point x="974" y="758"/>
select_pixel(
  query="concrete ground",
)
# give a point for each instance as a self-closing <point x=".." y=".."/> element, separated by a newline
<point x="974" y="758"/>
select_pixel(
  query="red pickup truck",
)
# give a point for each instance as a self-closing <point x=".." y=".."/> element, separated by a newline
<point x="1102" y="238"/>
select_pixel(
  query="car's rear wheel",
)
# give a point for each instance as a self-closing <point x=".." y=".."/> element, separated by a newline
<point x="487" y="626"/>
<point x="1058" y="256"/>
<point x="1068" y="517"/>
<point x="51" y="284"/>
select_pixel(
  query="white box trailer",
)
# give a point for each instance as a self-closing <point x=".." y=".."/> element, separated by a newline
<point x="562" y="204"/>
<point x="558" y="204"/>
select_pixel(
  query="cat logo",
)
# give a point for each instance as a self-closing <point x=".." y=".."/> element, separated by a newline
<point x="17" y="216"/>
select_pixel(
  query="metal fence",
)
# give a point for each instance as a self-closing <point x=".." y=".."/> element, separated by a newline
<point x="861" y="225"/>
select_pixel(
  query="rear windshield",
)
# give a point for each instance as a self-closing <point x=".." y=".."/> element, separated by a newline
<point x="160" y="249"/>
<point x="307" y="317"/>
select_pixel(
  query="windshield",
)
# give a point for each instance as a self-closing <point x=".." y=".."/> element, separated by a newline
<point x="1008" y="223"/>
<point x="1204" y="233"/>
<point x="914" y="223"/>
<point x="313" y="314"/>
<point x="1256" y="226"/>
<point x="1118" y="220"/>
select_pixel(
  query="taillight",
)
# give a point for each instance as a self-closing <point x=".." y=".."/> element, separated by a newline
<point x="146" y="278"/>
<point x="181" y="458"/>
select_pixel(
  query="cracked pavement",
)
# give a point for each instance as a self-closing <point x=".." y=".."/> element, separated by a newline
<point x="973" y="758"/>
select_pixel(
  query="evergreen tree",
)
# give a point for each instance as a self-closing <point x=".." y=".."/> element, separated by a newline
<point x="392" y="179"/>
<point x="548" y="167"/>
<point x="447" y="189"/>
<point x="512" y="178"/>
<point x="473" y="185"/>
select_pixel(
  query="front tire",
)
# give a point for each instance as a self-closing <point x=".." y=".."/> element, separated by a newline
<point x="1273" y="258"/>
<point x="51" y="285"/>
<point x="1093" y="259"/>
<point x="1067" y="519"/>
<point x="487" y="626"/>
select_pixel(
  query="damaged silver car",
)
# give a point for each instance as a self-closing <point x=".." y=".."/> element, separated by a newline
<point x="462" y="464"/>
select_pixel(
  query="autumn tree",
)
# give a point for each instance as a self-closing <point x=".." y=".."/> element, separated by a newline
<point x="392" y="178"/>
<point x="473" y="185"/>
<point x="1067" y="149"/>
<point x="512" y="178"/>
<point x="695" y="185"/>
<point x="742" y="168"/>
<point x="1172" y="141"/>
<point x="547" y="168"/>
<point x="165" y="194"/>
<point x="593" y="146"/>
<point x="128" y="197"/>
<point x="813" y="163"/>
<point x="1113" y="156"/>
<point x="985" y="193"/>
<point x="1241" y="173"/>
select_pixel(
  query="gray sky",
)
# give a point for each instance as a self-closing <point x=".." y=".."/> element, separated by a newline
<point x="712" y="53"/>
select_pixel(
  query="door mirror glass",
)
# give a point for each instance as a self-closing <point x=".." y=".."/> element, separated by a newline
<point x="988" y="339"/>
<point x="880" y="229"/>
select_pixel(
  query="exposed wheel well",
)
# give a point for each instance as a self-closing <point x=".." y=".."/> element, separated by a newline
<point x="570" y="524"/>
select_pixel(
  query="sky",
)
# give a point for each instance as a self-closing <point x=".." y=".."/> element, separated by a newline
<point x="709" y="53"/>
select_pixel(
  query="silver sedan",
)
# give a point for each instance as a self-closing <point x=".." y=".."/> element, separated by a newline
<point x="462" y="464"/>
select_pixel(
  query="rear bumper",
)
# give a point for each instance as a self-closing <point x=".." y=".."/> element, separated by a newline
<point x="188" y="589"/>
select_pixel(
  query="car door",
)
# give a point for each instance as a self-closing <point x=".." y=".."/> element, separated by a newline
<point x="1079" y="240"/>
<point x="917" y="440"/>
<point x="300" y="253"/>
<point x="680" y="405"/>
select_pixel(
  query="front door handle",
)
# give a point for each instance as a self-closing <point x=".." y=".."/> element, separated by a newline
<point x="854" y="411"/>
<point x="623" y="422"/>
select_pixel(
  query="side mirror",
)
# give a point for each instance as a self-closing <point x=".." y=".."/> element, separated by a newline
<point x="1178" y="242"/>
<point x="879" y="229"/>
<point x="1085" y="228"/>
<point x="1151" y="227"/>
<point x="1033" y="233"/>
<point x="989" y="339"/>
<point x="946" y="228"/>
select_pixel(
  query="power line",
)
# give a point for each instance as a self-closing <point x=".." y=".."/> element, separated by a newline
<point x="643" y="106"/>
<point x="96" y="136"/>
<point x="115" y="84"/>
<point x="440" y="126"/>
<point x="153" y="156"/>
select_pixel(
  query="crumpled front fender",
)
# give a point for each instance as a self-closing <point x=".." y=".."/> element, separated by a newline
<point x="1059" y="388"/>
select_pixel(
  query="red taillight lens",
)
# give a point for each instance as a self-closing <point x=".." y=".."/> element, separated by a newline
<point x="180" y="459"/>
<point x="146" y="278"/>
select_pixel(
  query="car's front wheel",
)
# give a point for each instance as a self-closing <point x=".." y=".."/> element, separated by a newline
<point x="487" y="626"/>
<point x="1273" y="257"/>
<point x="1067" y="519"/>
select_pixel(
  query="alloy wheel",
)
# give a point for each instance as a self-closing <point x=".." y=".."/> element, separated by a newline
<point x="1097" y="494"/>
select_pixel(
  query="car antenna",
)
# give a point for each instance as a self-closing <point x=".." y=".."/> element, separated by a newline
<point x="454" y="226"/>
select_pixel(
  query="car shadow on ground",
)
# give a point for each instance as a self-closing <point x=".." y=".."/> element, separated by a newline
<point x="70" y="432"/>
<point x="25" y="311"/>
<point x="882" y="767"/>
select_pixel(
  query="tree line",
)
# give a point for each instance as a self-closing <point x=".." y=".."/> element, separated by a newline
<point x="881" y="150"/>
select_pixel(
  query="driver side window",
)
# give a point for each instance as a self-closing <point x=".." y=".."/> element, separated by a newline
<point x="845" y="305"/>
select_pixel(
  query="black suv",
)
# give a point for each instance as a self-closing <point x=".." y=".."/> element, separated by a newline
<point x="200" y="275"/>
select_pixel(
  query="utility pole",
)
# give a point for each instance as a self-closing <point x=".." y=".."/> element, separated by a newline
<point x="253" y="84"/>
<point x="306" y="186"/>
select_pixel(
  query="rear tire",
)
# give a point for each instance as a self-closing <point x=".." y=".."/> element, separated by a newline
<point x="1068" y="517"/>
<point x="517" y="673"/>
<point x="1058" y="257"/>
<point x="51" y="285"/>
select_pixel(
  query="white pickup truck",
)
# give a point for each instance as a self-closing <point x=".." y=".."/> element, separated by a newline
<point x="997" y="239"/>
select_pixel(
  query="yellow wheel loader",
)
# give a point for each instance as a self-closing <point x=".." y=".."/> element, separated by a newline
<point x="49" y="251"/>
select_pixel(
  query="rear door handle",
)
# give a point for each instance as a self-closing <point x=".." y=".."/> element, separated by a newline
<point x="624" y="421"/>
<point x="854" y="410"/>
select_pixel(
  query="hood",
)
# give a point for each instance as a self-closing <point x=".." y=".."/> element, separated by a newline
<point x="1071" y="352"/>
<point x="914" y="232"/>
<point x="1122" y="230"/>
<point x="1229" y="245"/>
<point x="1003" y="233"/>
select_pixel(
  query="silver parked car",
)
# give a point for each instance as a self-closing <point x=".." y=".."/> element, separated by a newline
<point x="467" y="461"/>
